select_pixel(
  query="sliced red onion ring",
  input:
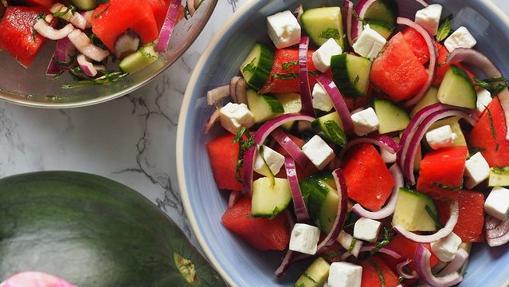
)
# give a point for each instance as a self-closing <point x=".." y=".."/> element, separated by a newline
<point x="285" y="263"/>
<point x="127" y="44"/>
<point x="422" y="261"/>
<point x="248" y="169"/>
<point x="478" y="60"/>
<point x="348" y="20"/>
<point x="86" y="66"/>
<point x="389" y="208"/>
<point x="400" y="267"/>
<point x="215" y="96"/>
<point x="444" y="232"/>
<point x="305" y="89"/>
<point x="432" y="57"/>
<point x="497" y="232"/>
<point x="357" y="21"/>
<point x="214" y="118"/>
<point x="301" y="211"/>
<point x="233" y="198"/>
<point x="168" y="26"/>
<point x="64" y="51"/>
<point x="337" y="226"/>
<point x="241" y="91"/>
<point x="81" y="41"/>
<point x="338" y="101"/>
<point x="66" y="13"/>
<point x="79" y="21"/>
<point x="233" y="87"/>
<point x="455" y="265"/>
<point x="383" y="250"/>
<point x="290" y="147"/>
<point x="54" y="68"/>
<point x="35" y="279"/>
<point x="88" y="15"/>
<point x="382" y="141"/>
<point x="190" y="7"/>
<point x="48" y="32"/>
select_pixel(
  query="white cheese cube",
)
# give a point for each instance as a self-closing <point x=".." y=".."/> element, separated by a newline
<point x="234" y="116"/>
<point x="322" y="56"/>
<point x="304" y="238"/>
<point x="461" y="38"/>
<point x="321" y="99"/>
<point x="366" y="229"/>
<point x="441" y="137"/>
<point x="497" y="203"/>
<point x="365" y="122"/>
<point x="429" y="18"/>
<point x="483" y="100"/>
<point x="352" y="245"/>
<point x="446" y="248"/>
<point x="270" y="158"/>
<point x="477" y="170"/>
<point x="318" y="152"/>
<point x="388" y="156"/>
<point x="284" y="29"/>
<point x="369" y="44"/>
<point x="344" y="274"/>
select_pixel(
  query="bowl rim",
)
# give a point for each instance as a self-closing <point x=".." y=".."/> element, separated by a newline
<point x="487" y="5"/>
<point x="21" y="99"/>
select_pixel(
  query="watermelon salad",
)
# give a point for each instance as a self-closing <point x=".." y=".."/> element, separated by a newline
<point x="97" y="41"/>
<point x="369" y="140"/>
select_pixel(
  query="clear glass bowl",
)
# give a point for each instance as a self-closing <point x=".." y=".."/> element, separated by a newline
<point x="31" y="87"/>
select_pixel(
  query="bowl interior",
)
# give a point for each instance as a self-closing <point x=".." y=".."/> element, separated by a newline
<point x="31" y="87"/>
<point x="238" y="263"/>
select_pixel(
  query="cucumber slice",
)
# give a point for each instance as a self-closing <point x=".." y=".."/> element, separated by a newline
<point x="315" y="275"/>
<point x="257" y="66"/>
<point x="322" y="199"/>
<point x="324" y="23"/>
<point x="383" y="28"/>
<point x="457" y="89"/>
<point x="415" y="211"/>
<point x="383" y="11"/>
<point x="270" y="196"/>
<point x="142" y="58"/>
<point x="456" y="128"/>
<point x="429" y="99"/>
<point x="392" y="118"/>
<point x="84" y="4"/>
<point x="263" y="107"/>
<point x="291" y="104"/>
<point x="499" y="177"/>
<point x="331" y="128"/>
<point x="351" y="74"/>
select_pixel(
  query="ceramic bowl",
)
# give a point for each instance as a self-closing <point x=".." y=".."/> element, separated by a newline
<point x="236" y="261"/>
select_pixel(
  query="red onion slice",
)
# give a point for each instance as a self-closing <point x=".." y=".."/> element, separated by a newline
<point x="48" y="32"/>
<point x="422" y="261"/>
<point x="86" y="66"/>
<point x="64" y="51"/>
<point x="301" y="211"/>
<point x="190" y="7"/>
<point x="383" y="250"/>
<point x="455" y="265"/>
<point x="285" y="263"/>
<point x="81" y="41"/>
<point x="338" y="101"/>
<point x="357" y="21"/>
<point x="215" y="96"/>
<point x="497" y="232"/>
<point x="432" y="58"/>
<point x="382" y="141"/>
<point x="35" y="279"/>
<point x="168" y="26"/>
<point x="248" y="169"/>
<point x="348" y="20"/>
<point x="233" y="87"/>
<point x="233" y="198"/>
<point x="478" y="60"/>
<point x="214" y="118"/>
<point x="444" y="232"/>
<point x="305" y="90"/>
<point x="400" y="267"/>
<point x="127" y="44"/>
<point x="389" y="208"/>
<point x="290" y="147"/>
<point x="54" y="68"/>
<point x="88" y="15"/>
<point x="241" y="92"/>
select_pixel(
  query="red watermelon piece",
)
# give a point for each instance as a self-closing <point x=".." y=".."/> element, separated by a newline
<point x="261" y="233"/>
<point x="223" y="156"/>
<point x="417" y="44"/>
<point x="488" y="135"/>
<point x="368" y="180"/>
<point x="372" y="271"/>
<point x="397" y="71"/>
<point x="406" y="248"/>
<point x="442" y="67"/>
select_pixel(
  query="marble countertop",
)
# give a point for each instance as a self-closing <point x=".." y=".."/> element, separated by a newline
<point x="131" y="140"/>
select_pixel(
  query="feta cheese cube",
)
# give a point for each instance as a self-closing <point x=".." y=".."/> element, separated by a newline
<point x="461" y="38"/>
<point x="234" y="116"/>
<point x="446" y="248"/>
<point x="366" y="229"/>
<point x="483" y="100"/>
<point x="477" y="170"/>
<point x="321" y="99"/>
<point x="322" y="56"/>
<point x="284" y="29"/>
<point x="344" y="274"/>
<point x="304" y="238"/>
<point x="365" y="122"/>
<point x="270" y="158"/>
<point x="388" y="157"/>
<point x="352" y="245"/>
<point x="429" y="18"/>
<point x="441" y="137"/>
<point x="497" y="203"/>
<point x="369" y="44"/>
<point x="318" y="152"/>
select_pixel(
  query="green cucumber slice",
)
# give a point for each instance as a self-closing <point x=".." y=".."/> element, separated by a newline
<point x="457" y="89"/>
<point x="324" y="23"/>
<point x="392" y="118"/>
<point x="429" y="99"/>
<point x="383" y="11"/>
<point x="455" y="127"/>
<point x="499" y="177"/>
<point x="383" y="28"/>
<point x="263" y="107"/>
<point x="415" y="211"/>
<point x="331" y="128"/>
<point x="257" y="66"/>
<point x="138" y="60"/>
<point x="84" y="4"/>
<point x="351" y="74"/>
<point x="291" y="104"/>
<point x="315" y="275"/>
<point x="322" y="199"/>
<point x="271" y="196"/>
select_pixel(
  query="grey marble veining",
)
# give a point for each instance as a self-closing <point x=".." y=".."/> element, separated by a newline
<point x="131" y="140"/>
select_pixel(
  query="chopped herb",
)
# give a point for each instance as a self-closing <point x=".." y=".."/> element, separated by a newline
<point x="288" y="65"/>
<point x="500" y="170"/>
<point x="330" y="33"/>
<point x="447" y="187"/>
<point x="351" y="218"/>
<point x="335" y="133"/>
<point x="352" y="245"/>
<point x="356" y="81"/>
<point x="63" y="13"/>
<point x="290" y="76"/>
<point x="434" y="216"/>
<point x="387" y="237"/>
<point x="493" y="85"/>
<point x="98" y="14"/>
<point x="251" y="68"/>
<point x="378" y="272"/>
<point x="246" y="141"/>
<point x="445" y="29"/>
<point x="492" y="128"/>
<point x="110" y="77"/>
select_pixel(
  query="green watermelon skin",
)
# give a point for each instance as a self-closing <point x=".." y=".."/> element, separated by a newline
<point x="93" y="232"/>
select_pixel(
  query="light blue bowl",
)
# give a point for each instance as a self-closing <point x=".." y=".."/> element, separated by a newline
<point x="239" y="264"/>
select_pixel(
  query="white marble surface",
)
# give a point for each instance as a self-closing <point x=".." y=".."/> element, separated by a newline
<point x="131" y="140"/>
